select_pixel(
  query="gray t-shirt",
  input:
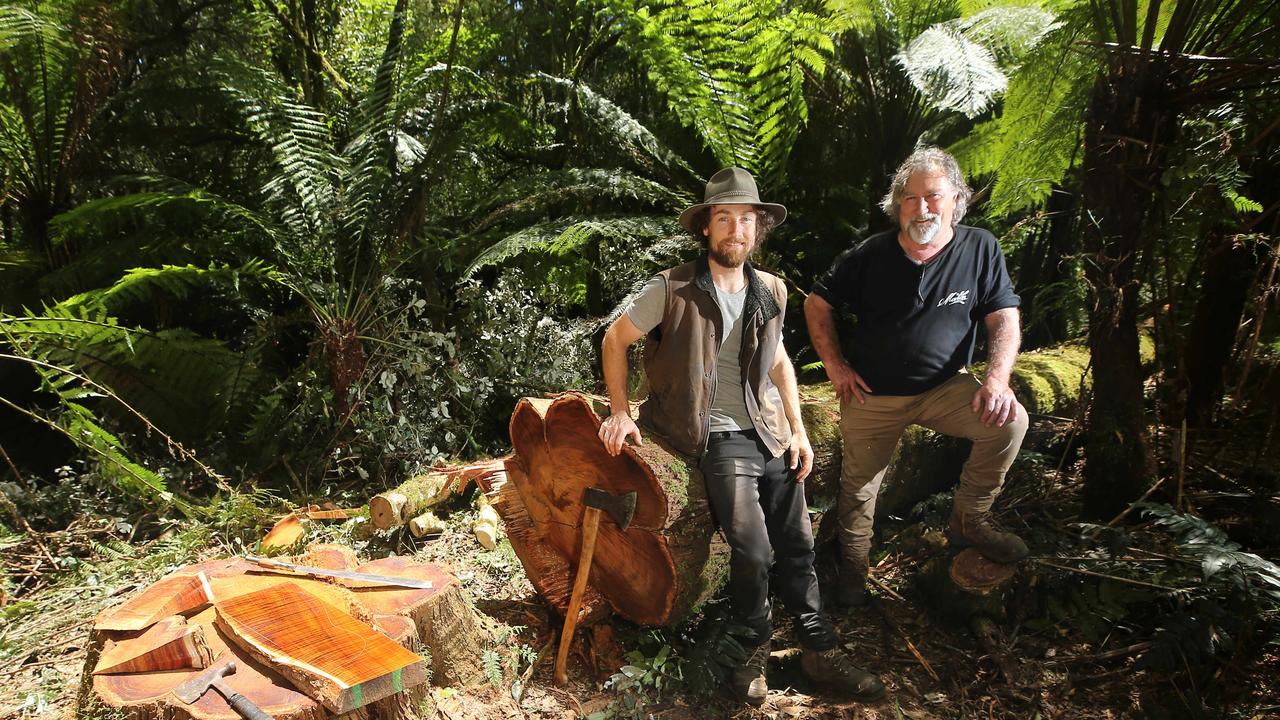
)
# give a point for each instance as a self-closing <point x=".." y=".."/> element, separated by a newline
<point x="729" y="406"/>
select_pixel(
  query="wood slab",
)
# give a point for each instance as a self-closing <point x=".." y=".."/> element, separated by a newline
<point x="170" y="644"/>
<point x="176" y="594"/>
<point x="327" y="654"/>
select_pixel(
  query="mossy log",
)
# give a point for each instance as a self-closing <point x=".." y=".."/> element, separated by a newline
<point x="653" y="573"/>
<point x="420" y="493"/>
<point x="1047" y="382"/>
<point x="439" y="620"/>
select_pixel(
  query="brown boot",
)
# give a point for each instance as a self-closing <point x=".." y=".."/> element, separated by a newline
<point x="976" y="530"/>
<point x="851" y="586"/>
<point x="747" y="681"/>
<point x="834" y="668"/>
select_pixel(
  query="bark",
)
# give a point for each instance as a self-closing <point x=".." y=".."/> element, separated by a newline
<point x="1127" y="131"/>
<point x="1224" y="289"/>
<point x="441" y="619"/>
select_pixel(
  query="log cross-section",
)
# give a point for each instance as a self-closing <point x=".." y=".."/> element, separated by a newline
<point x="654" y="572"/>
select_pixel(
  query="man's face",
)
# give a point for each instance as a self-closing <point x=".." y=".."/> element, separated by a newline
<point x="928" y="203"/>
<point x="731" y="234"/>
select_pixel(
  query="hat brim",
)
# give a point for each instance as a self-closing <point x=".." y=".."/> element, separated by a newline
<point x="779" y="212"/>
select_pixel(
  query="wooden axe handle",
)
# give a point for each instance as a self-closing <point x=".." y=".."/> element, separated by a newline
<point x="590" y="525"/>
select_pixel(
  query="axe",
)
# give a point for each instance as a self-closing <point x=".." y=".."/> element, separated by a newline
<point x="191" y="690"/>
<point x="621" y="508"/>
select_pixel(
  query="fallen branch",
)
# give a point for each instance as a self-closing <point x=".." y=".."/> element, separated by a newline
<point x="891" y="622"/>
<point x="1104" y="576"/>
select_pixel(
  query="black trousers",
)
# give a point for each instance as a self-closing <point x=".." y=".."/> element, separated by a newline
<point x="762" y="511"/>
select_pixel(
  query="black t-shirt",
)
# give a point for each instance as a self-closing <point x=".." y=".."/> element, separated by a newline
<point x="916" y="323"/>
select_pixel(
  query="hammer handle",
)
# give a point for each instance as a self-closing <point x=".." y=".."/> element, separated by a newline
<point x="240" y="703"/>
<point x="590" y="526"/>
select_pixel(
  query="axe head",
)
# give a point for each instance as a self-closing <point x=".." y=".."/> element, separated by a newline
<point x="619" y="507"/>
<point x="191" y="690"/>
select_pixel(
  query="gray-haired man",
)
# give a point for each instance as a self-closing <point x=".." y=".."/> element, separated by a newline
<point x="918" y="294"/>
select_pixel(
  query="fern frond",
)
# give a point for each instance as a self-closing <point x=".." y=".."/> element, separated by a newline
<point x="568" y="234"/>
<point x="184" y="384"/>
<point x="953" y="72"/>
<point x="20" y="26"/>
<point x="539" y="194"/>
<point x="141" y="285"/>
<point x="618" y="126"/>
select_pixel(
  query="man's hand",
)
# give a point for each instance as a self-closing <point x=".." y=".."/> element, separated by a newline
<point x="996" y="403"/>
<point x="800" y="455"/>
<point x="847" y="381"/>
<point x="615" y="430"/>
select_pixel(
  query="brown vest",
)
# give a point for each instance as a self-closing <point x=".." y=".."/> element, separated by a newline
<point x="680" y="358"/>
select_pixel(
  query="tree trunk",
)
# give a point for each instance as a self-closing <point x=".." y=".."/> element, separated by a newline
<point x="655" y="572"/>
<point x="1126" y="133"/>
<point x="1043" y="271"/>
<point x="1224" y="288"/>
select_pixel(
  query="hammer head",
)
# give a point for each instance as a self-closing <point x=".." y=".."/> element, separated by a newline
<point x="619" y="507"/>
<point x="191" y="690"/>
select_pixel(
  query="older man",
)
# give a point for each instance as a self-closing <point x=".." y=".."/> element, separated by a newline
<point x="919" y="293"/>
<point x="723" y="390"/>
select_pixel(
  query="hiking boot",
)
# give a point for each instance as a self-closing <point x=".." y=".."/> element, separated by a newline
<point x="747" y="681"/>
<point x="851" y="587"/>
<point x="976" y="530"/>
<point x="834" y="668"/>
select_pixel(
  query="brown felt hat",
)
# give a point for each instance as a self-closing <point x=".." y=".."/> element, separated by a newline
<point x="731" y="186"/>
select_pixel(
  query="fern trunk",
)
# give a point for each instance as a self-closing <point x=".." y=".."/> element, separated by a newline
<point x="1128" y="129"/>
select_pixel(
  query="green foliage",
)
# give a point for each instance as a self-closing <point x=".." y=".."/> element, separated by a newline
<point x="735" y="72"/>
<point x="1220" y="558"/>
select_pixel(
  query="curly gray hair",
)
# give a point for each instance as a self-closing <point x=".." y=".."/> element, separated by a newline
<point x="930" y="160"/>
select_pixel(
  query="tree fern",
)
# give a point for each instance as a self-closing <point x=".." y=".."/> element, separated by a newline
<point x="538" y="194"/>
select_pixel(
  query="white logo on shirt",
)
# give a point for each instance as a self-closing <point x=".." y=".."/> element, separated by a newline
<point x="955" y="298"/>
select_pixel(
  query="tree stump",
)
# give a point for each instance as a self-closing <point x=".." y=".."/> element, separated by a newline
<point x="659" y="569"/>
<point x="440" y="618"/>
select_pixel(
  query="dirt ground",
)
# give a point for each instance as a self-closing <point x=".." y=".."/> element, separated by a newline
<point x="933" y="668"/>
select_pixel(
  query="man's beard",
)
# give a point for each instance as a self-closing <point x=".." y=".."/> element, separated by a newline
<point x="730" y="258"/>
<point x="924" y="235"/>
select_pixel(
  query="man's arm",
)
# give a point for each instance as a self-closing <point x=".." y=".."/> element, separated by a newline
<point x="820" y="317"/>
<point x="613" y="357"/>
<point x="784" y="376"/>
<point x="995" y="399"/>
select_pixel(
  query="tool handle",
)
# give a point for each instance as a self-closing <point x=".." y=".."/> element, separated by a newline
<point x="241" y="704"/>
<point x="590" y="526"/>
<point x="246" y="708"/>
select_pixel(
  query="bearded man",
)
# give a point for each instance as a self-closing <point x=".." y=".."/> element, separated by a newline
<point x="723" y="390"/>
<point x="918" y="294"/>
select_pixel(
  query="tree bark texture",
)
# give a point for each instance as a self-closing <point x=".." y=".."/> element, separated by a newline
<point x="1128" y="129"/>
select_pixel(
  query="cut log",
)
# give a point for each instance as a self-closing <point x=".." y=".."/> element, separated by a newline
<point x="170" y="644"/>
<point x="440" y="619"/>
<point x="485" y="527"/>
<point x="177" y="594"/>
<point x="656" y="571"/>
<point x="419" y="493"/>
<point x="426" y="524"/>
<point x="326" y="653"/>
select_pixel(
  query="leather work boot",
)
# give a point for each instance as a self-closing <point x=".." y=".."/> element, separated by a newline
<point x="851" y="587"/>
<point x="834" y="668"/>
<point x="747" y="680"/>
<point x="976" y="530"/>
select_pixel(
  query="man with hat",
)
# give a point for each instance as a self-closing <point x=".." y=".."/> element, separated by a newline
<point x="722" y="389"/>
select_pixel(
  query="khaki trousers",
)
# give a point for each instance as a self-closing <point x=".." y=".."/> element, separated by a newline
<point x="871" y="431"/>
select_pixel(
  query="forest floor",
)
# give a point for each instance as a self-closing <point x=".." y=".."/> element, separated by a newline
<point x="1076" y="637"/>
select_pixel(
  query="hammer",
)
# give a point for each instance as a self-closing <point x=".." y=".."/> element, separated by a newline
<point x="621" y="508"/>
<point x="191" y="690"/>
